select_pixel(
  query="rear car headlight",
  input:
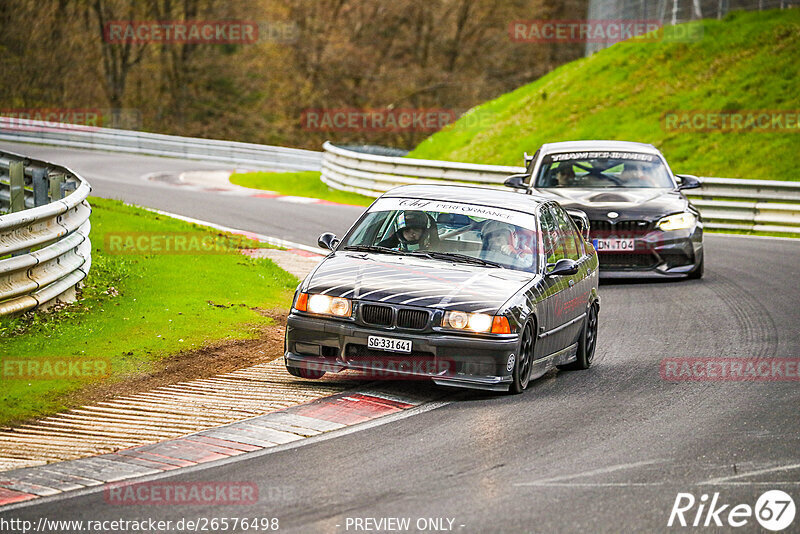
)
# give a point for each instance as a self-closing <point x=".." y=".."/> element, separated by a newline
<point x="324" y="305"/>
<point x="678" y="221"/>
<point x="476" y="322"/>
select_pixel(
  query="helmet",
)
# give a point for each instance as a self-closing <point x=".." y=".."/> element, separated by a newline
<point x="493" y="227"/>
<point x="410" y="219"/>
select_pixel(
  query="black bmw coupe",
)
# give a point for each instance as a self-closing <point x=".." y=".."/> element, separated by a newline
<point x="641" y="223"/>
<point x="471" y="287"/>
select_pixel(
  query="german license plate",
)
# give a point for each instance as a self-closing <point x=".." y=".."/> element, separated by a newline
<point x="615" y="245"/>
<point x="389" y="344"/>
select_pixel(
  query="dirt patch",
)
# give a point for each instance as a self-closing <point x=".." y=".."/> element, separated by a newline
<point x="219" y="358"/>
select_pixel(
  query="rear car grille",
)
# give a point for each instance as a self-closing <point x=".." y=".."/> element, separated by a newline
<point x="379" y="315"/>
<point x="413" y="319"/>
<point x="375" y="314"/>
<point x="605" y="228"/>
<point x="627" y="259"/>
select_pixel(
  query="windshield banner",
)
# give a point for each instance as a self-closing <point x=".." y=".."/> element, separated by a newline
<point x="524" y="220"/>
<point x="603" y="155"/>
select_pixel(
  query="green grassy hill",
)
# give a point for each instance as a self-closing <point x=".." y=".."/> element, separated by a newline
<point x="746" y="62"/>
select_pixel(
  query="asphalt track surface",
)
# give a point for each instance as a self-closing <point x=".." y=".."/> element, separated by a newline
<point x="603" y="450"/>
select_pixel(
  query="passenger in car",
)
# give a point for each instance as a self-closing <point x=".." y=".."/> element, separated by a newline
<point x="500" y="244"/>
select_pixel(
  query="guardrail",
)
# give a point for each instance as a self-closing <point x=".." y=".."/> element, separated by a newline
<point x="725" y="203"/>
<point x="248" y="155"/>
<point x="45" y="251"/>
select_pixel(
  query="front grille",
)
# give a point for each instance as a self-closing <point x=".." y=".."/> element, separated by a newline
<point x="378" y="315"/>
<point x="606" y="228"/>
<point x="356" y="352"/>
<point x="389" y="363"/>
<point x="627" y="259"/>
<point x="412" y="319"/>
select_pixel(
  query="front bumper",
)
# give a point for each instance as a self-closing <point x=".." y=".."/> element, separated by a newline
<point x="332" y="345"/>
<point x="673" y="254"/>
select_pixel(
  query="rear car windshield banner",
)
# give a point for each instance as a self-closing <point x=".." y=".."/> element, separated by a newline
<point x="602" y="155"/>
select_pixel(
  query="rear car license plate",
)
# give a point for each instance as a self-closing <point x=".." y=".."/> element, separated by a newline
<point x="389" y="344"/>
<point x="615" y="245"/>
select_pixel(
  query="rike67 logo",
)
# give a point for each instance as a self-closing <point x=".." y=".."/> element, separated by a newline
<point x="774" y="510"/>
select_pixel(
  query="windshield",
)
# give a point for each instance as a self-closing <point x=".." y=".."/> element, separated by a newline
<point x="602" y="170"/>
<point x="448" y="231"/>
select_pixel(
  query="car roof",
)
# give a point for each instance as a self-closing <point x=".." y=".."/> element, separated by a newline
<point x="574" y="146"/>
<point x="482" y="196"/>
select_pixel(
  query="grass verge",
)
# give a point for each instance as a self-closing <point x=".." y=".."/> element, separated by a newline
<point x="746" y="62"/>
<point x="138" y="310"/>
<point x="301" y="184"/>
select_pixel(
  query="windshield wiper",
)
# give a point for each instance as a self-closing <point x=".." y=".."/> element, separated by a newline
<point x="372" y="248"/>
<point x="454" y="256"/>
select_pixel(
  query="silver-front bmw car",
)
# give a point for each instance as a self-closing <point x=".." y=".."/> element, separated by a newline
<point x="640" y="222"/>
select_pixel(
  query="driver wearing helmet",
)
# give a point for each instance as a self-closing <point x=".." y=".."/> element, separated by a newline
<point x="411" y="232"/>
<point x="499" y="242"/>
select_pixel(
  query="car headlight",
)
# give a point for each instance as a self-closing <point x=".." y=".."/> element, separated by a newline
<point x="678" y="221"/>
<point x="324" y="305"/>
<point x="476" y="322"/>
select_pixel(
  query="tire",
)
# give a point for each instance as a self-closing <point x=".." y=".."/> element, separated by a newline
<point x="698" y="271"/>
<point x="524" y="361"/>
<point x="587" y="343"/>
<point x="311" y="374"/>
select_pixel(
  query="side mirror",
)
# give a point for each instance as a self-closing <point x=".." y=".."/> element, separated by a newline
<point x="687" y="181"/>
<point x="516" y="181"/>
<point x="527" y="158"/>
<point x="563" y="267"/>
<point x="328" y="240"/>
<point x="581" y="221"/>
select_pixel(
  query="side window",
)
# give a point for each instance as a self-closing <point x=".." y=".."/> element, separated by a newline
<point x="571" y="238"/>
<point x="551" y="236"/>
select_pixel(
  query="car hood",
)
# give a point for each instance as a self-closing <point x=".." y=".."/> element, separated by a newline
<point x="631" y="203"/>
<point x="414" y="281"/>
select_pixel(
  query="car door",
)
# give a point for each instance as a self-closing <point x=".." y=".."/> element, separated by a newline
<point x="555" y="289"/>
<point x="575" y="299"/>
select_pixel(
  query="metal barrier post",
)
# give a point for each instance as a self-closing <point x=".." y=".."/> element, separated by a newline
<point x="16" y="174"/>
<point x="55" y="186"/>
<point x="40" y="187"/>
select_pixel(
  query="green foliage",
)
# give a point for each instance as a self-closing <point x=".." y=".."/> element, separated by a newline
<point x="138" y="310"/>
<point x="746" y="62"/>
<point x="301" y="184"/>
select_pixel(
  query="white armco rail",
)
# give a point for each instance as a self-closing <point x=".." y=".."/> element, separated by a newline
<point x="247" y="155"/>
<point x="45" y="250"/>
<point x="725" y="203"/>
